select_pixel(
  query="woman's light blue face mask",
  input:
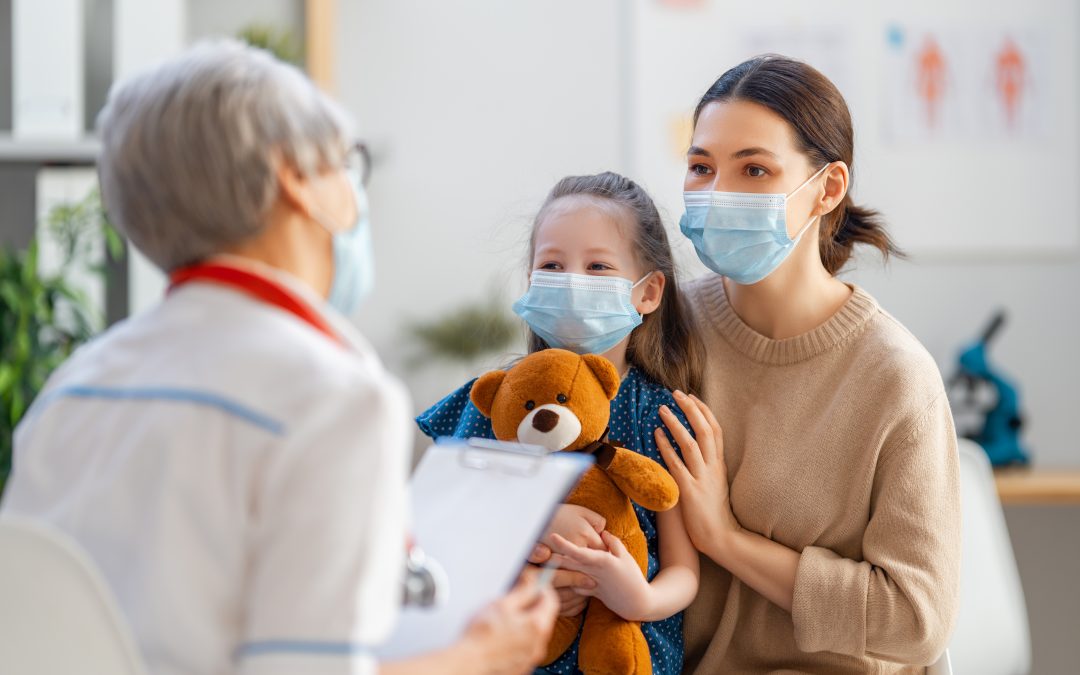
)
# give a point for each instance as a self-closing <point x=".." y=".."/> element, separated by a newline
<point x="741" y="235"/>
<point x="581" y="313"/>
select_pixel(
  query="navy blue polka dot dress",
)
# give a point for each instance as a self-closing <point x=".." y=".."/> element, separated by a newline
<point x="635" y="412"/>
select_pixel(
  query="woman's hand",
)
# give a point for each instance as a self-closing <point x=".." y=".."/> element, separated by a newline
<point x="701" y="474"/>
<point x="619" y="583"/>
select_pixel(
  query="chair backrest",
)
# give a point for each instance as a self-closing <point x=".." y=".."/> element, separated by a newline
<point x="943" y="666"/>
<point x="56" y="614"/>
<point x="991" y="635"/>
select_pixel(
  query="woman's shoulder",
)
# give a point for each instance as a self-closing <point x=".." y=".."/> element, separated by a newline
<point x="896" y="358"/>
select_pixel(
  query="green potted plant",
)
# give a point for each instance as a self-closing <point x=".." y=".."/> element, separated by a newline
<point x="44" y="317"/>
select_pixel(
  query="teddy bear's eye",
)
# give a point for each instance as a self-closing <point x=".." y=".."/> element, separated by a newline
<point x="529" y="405"/>
<point x="561" y="398"/>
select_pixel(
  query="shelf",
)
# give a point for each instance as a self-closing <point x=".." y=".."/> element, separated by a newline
<point x="33" y="151"/>
<point x="1033" y="486"/>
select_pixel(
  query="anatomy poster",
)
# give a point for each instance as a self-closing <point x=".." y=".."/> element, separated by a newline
<point x="1013" y="95"/>
<point x="965" y="84"/>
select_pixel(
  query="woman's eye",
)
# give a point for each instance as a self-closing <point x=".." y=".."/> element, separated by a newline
<point x="529" y="405"/>
<point x="700" y="170"/>
<point x="755" y="171"/>
<point x="549" y="266"/>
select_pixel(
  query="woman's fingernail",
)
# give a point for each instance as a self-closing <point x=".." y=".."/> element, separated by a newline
<point x="664" y="409"/>
<point x="679" y="394"/>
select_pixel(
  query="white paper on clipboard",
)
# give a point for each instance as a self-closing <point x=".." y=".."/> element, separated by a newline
<point x="477" y="509"/>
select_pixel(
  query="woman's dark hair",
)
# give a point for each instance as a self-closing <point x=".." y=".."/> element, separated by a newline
<point x="818" y="114"/>
<point x="664" y="346"/>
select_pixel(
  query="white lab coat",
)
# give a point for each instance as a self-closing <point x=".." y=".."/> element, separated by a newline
<point x="238" y="477"/>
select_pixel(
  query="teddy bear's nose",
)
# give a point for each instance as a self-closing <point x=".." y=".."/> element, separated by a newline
<point x="545" y="420"/>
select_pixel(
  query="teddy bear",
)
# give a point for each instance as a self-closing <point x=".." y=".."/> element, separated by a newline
<point x="561" y="401"/>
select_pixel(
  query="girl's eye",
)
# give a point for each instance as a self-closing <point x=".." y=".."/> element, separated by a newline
<point x="529" y="405"/>
<point x="700" y="170"/>
<point x="755" y="171"/>
<point x="599" y="267"/>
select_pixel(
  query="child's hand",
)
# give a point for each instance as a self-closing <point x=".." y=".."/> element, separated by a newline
<point x="619" y="582"/>
<point x="575" y="523"/>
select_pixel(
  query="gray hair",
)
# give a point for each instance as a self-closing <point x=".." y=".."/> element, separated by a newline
<point x="187" y="164"/>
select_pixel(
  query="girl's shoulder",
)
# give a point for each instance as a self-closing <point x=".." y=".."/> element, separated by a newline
<point x="642" y="392"/>
<point x="635" y="413"/>
<point x="455" y="416"/>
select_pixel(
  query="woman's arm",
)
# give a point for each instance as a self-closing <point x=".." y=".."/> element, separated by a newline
<point x="899" y="602"/>
<point x="765" y="565"/>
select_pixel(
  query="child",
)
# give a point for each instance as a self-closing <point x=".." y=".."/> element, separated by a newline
<point x="603" y="281"/>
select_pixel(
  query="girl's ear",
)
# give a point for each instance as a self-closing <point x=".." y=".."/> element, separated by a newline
<point x="652" y="293"/>
<point x="484" y="389"/>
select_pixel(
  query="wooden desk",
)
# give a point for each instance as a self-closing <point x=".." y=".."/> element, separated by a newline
<point x="1030" y="486"/>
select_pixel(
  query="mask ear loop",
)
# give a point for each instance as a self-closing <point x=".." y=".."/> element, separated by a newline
<point x="642" y="279"/>
<point x="788" y="196"/>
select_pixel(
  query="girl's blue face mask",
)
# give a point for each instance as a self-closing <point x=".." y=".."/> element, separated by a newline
<point x="741" y="235"/>
<point x="581" y="313"/>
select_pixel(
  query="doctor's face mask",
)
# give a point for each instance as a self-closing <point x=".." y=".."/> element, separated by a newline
<point x="354" y="254"/>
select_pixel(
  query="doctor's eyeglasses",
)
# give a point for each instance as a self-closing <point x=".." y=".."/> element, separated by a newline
<point x="358" y="163"/>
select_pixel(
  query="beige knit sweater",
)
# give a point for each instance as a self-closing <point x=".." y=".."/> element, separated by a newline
<point x="840" y="445"/>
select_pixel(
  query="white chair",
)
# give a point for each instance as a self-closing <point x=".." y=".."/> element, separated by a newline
<point x="943" y="666"/>
<point x="57" y="617"/>
<point x="991" y="635"/>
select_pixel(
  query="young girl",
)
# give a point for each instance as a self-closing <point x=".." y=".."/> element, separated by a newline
<point x="593" y="228"/>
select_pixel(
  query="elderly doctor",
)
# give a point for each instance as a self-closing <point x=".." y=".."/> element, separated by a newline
<point x="235" y="458"/>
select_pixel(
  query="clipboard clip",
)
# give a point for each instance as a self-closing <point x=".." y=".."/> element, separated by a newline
<point x="522" y="459"/>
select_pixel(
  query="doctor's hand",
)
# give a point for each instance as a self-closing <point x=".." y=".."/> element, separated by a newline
<point x="511" y="634"/>
<point x="701" y="474"/>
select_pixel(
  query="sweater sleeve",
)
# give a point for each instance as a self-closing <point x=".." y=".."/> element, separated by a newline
<point x="900" y="601"/>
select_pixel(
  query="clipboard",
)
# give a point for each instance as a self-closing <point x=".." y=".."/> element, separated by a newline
<point x="478" y="508"/>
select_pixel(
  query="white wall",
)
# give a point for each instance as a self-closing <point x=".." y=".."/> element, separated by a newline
<point x="473" y="110"/>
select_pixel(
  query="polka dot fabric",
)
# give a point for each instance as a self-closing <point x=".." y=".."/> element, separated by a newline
<point x="635" y="412"/>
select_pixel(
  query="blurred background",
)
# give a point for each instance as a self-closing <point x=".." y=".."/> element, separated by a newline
<point x="966" y="117"/>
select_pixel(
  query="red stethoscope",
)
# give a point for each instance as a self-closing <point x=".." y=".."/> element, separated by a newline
<point x="425" y="583"/>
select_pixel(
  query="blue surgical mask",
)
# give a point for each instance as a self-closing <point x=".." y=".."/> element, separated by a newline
<point x="741" y="235"/>
<point x="582" y="313"/>
<point x="354" y="257"/>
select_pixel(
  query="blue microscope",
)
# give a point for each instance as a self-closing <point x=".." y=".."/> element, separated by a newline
<point x="985" y="404"/>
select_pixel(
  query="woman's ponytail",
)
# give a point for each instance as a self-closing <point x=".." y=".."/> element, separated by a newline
<point x="849" y="225"/>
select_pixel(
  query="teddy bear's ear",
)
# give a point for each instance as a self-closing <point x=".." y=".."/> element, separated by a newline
<point x="605" y="372"/>
<point x="483" y="390"/>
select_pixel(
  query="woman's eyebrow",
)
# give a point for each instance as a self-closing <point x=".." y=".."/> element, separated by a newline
<point x="696" y="150"/>
<point x="750" y="152"/>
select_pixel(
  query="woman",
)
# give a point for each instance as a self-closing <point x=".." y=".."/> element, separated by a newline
<point x="235" y="459"/>
<point x="824" y="493"/>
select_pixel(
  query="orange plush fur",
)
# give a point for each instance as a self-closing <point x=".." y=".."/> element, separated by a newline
<point x="562" y="400"/>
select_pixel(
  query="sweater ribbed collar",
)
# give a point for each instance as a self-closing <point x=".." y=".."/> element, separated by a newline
<point x="851" y="318"/>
